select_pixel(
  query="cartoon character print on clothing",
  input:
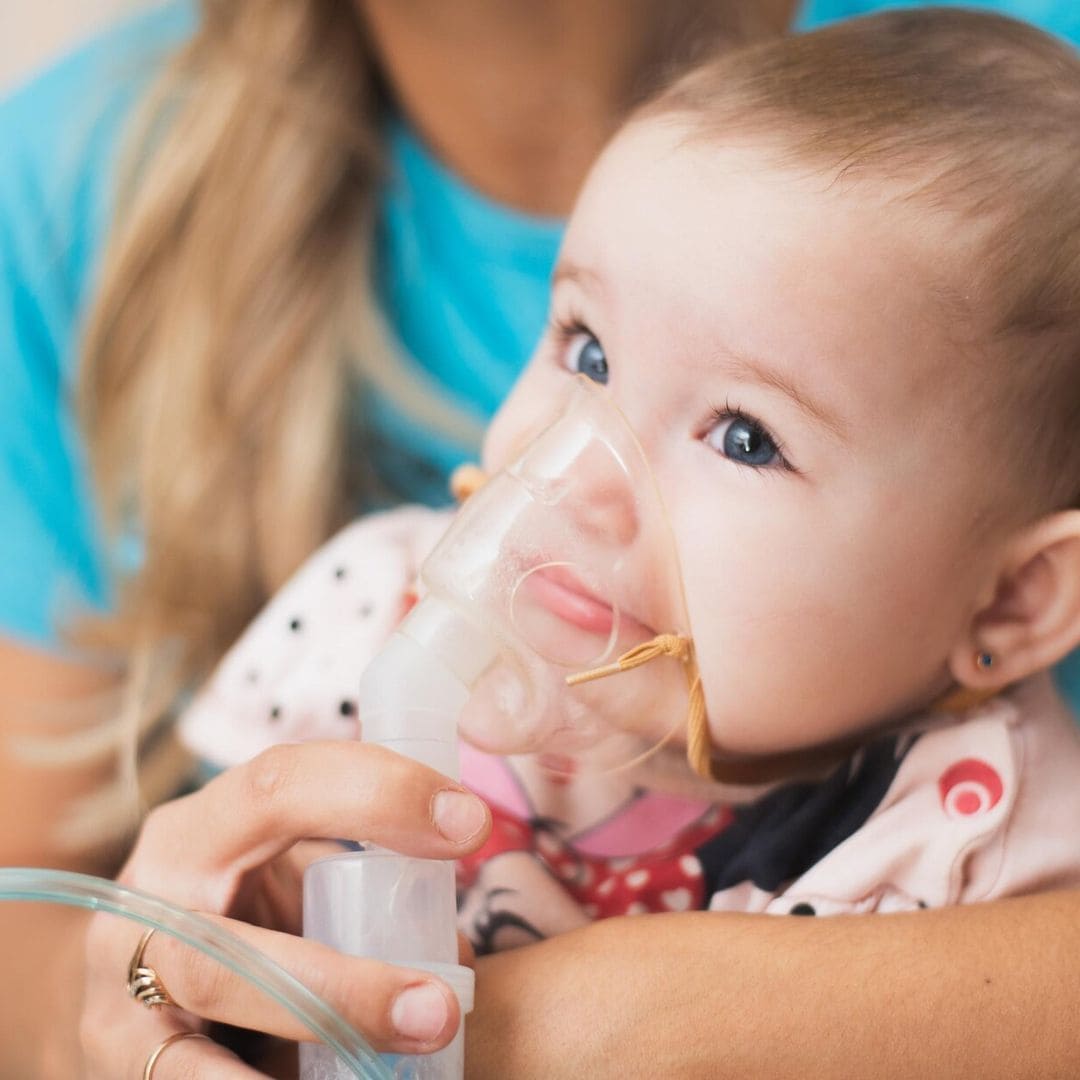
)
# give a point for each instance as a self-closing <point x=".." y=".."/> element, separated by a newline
<point x="540" y="875"/>
<point x="292" y="676"/>
<point x="528" y="882"/>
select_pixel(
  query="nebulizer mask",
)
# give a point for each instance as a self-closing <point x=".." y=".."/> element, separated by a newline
<point x="559" y="573"/>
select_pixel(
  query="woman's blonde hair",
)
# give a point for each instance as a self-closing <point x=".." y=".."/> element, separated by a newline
<point x="215" y="374"/>
<point x="232" y="323"/>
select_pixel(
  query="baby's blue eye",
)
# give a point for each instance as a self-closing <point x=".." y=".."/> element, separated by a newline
<point x="743" y="441"/>
<point x="586" y="356"/>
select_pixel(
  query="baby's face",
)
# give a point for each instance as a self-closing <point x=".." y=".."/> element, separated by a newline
<point x="781" y="347"/>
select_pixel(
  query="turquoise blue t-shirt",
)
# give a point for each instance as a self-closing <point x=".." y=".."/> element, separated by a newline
<point x="59" y="144"/>
<point x="1061" y="17"/>
<point x="462" y="283"/>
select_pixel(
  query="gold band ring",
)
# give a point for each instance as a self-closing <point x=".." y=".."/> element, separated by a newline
<point x="143" y="982"/>
<point x="151" y="1061"/>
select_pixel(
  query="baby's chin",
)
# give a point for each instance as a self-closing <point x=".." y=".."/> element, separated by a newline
<point x="772" y="752"/>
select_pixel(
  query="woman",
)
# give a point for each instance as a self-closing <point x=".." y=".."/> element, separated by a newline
<point x="327" y="262"/>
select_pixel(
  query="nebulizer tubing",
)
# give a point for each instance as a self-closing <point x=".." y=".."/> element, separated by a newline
<point x="97" y="894"/>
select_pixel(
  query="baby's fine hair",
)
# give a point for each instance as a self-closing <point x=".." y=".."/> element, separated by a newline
<point x="972" y="115"/>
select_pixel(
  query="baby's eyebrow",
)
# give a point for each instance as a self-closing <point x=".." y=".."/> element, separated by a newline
<point x="767" y="375"/>
<point x="579" y="275"/>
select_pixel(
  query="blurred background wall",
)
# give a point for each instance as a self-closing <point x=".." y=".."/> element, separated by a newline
<point x="32" y="31"/>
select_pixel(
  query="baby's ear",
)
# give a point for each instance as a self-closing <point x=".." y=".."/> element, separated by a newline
<point x="1033" y="619"/>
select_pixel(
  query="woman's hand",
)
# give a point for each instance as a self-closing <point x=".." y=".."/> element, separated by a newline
<point x="236" y="850"/>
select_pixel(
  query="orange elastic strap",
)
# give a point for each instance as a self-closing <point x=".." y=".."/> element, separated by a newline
<point x="698" y="743"/>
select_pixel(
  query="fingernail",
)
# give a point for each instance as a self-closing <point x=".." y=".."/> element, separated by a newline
<point x="458" y="815"/>
<point x="419" y="1012"/>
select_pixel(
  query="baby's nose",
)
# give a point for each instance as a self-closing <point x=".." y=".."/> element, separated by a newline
<point x="603" y="505"/>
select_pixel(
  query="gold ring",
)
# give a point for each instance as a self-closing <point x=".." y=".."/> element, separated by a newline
<point x="143" y="982"/>
<point x="151" y="1061"/>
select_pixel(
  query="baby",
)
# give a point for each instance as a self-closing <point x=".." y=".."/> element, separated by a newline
<point x="833" y="283"/>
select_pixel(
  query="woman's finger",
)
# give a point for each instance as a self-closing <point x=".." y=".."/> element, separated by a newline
<point x="184" y="1055"/>
<point x="117" y="1035"/>
<point x="396" y="1009"/>
<point x="278" y="899"/>
<point x="115" y="1049"/>
<point x="193" y="850"/>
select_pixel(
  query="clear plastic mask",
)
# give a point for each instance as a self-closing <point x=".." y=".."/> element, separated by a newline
<point x="560" y="564"/>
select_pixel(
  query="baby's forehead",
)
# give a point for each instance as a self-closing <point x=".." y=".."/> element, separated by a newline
<point x="743" y="199"/>
<point x="663" y="158"/>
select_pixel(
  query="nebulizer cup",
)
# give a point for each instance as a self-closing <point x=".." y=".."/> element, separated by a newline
<point x="559" y="571"/>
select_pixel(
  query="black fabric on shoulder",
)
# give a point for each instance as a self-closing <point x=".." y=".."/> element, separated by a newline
<point x="778" y="838"/>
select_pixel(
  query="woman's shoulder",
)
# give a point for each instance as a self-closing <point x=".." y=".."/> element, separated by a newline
<point x="61" y="133"/>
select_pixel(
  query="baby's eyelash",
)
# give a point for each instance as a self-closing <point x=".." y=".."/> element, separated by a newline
<point x="564" y="328"/>
<point x="730" y="411"/>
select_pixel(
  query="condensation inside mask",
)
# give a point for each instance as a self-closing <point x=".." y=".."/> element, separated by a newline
<point x="560" y="564"/>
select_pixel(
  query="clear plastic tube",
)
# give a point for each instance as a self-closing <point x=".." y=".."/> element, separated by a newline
<point x="98" y="894"/>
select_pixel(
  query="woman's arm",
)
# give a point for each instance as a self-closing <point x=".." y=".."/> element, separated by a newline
<point x="39" y="993"/>
<point x="234" y="851"/>
<point x="987" y="991"/>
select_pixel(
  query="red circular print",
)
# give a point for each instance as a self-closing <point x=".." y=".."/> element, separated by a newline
<point x="969" y="787"/>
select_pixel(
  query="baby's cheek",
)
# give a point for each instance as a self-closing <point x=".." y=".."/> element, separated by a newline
<point x="764" y="635"/>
